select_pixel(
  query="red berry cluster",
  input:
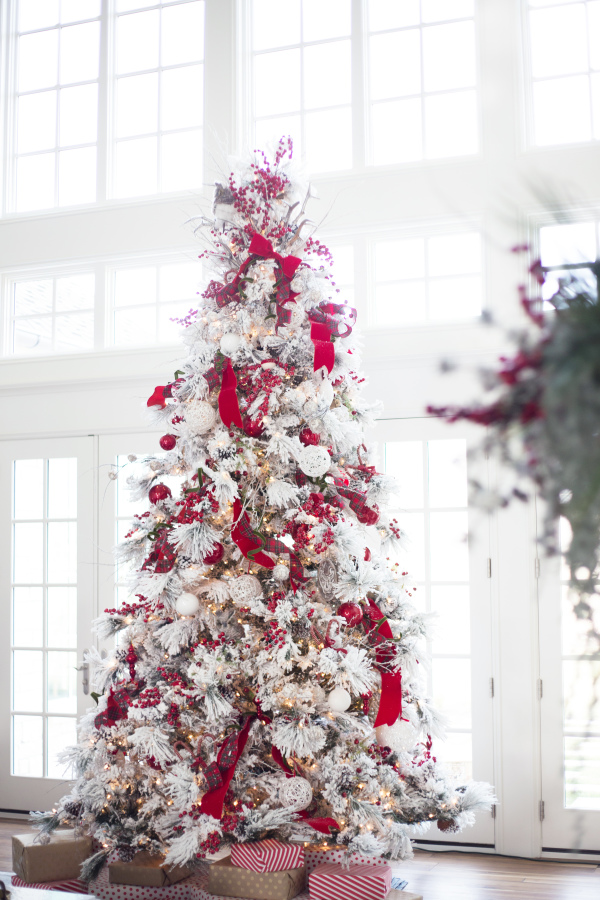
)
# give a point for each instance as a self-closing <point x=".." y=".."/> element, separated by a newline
<point x="147" y="698"/>
<point x="274" y="636"/>
<point x="276" y="596"/>
<point x="173" y="715"/>
<point x="395" y="528"/>
<point x="326" y="541"/>
<point x="316" y="247"/>
<point x="154" y="764"/>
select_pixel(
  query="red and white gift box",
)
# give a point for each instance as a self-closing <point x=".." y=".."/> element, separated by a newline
<point x="74" y="886"/>
<point x="267" y="856"/>
<point x="354" y="883"/>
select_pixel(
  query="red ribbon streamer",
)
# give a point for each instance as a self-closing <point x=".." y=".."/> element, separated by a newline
<point x="227" y="760"/>
<point x="379" y="631"/>
<point x="320" y="335"/>
<point x="329" y="320"/>
<point x="324" y="825"/>
<point x="229" y="408"/>
<point x="252" y="544"/>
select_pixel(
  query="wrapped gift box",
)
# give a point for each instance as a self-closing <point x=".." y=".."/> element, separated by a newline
<point x="228" y="880"/>
<point x="267" y="856"/>
<point x="146" y="870"/>
<point x="65" y="887"/>
<point x="60" y="860"/>
<point x="357" y="882"/>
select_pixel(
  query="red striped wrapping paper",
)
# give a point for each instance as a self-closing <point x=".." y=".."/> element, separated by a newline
<point x="74" y="886"/>
<point x="355" y="883"/>
<point x="267" y="856"/>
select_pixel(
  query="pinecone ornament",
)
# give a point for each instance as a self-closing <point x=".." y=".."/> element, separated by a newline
<point x="72" y="807"/>
<point x="126" y="852"/>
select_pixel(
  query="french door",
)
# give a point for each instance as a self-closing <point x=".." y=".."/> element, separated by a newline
<point x="47" y="603"/>
<point x="569" y="690"/>
<point x="447" y="553"/>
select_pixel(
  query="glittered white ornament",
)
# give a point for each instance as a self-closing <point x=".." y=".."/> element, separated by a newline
<point x="399" y="736"/>
<point x="229" y="344"/>
<point x="296" y="793"/>
<point x="200" y="416"/>
<point x="187" y="604"/>
<point x="245" y="588"/>
<point x="310" y="407"/>
<point x="339" y="699"/>
<point x="326" y="393"/>
<point x="280" y="573"/>
<point x="314" y="461"/>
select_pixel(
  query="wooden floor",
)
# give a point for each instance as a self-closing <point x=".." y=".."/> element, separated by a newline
<point x="455" y="876"/>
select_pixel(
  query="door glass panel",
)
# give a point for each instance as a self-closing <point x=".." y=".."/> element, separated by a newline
<point x="582" y="772"/>
<point x="44" y="680"/>
<point x="433" y="496"/>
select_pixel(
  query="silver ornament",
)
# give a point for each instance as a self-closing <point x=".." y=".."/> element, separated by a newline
<point x="296" y="793"/>
<point x="327" y="576"/>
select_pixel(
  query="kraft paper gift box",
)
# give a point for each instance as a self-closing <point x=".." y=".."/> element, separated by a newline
<point x="267" y="856"/>
<point x="60" y="860"/>
<point x="357" y="882"/>
<point x="227" y="880"/>
<point x="146" y="870"/>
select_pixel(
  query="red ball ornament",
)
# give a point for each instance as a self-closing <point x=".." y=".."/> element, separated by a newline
<point x="158" y="492"/>
<point x="168" y="441"/>
<point x="351" y="612"/>
<point x="215" y="555"/>
<point x="309" y="438"/>
<point x="368" y="515"/>
<point x="252" y="427"/>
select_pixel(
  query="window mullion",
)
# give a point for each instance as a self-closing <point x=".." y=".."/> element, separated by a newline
<point x="103" y="155"/>
<point x="358" y="58"/>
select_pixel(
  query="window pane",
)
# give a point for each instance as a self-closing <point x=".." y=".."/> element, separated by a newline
<point x="182" y="98"/>
<point x="33" y="297"/>
<point x="77" y="10"/>
<point x="594" y="32"/>
<point x="179" y="281"/>
<point x="449" y="56"/>
<point x="551" y="54"/>
<point x="562" y="113"/>
<point x="62" y="733"/>
<point x="79" y="115"/>
<point x="451" y="628"/>
<point x="454" y="254"/>
<point x="385" y="14"/>
<point x="581" y="688"/>
<point x="402" y="259"/>
<point x="456" y="754"/>
<point x="182" y="34"/>
<point x="438" y="10"/>
<point x="28" y="746"/>
<point x="137" y="104"/>
<point x="268" y="131"/>
<point x="79" y="49"/>
<point x="396" y="132"/>
<point x="36" y="117"/>
<point x="35" y="182"/>
<point x="38" y="60"/>
<point x="395" y="64"/>
<point x="28" y="680"/>
<point x="137" y="42"/>
<point x="29" y="489"/>
<point x="37" y="14"/>
<point x="575" y="242"/>
<point x="135" y="286"/>
<point x="272" y="93"/>
<point x="75" y="292"/>
<point x="135" y="327"/>
<point x="28" y="553"/>
<point x="447" y="472"/>
<point x="62" y="681"/>
<point x="404" y="460"/>
<point x="28" y="617"/>
<point x="62" y="552"/>
<point x="454" y="298"/>
<point x="327" y="75"/>
<point x="328" y="140"/>
<point x="169" y="332"/>
<point x="451" y="125"/>
<point x="62" y="617"/>
<point x="181" y="161"/>
<point x="451" y="680"/>
<point x="32" y="335"/>
<point x="74" y="333"/>
<point x="77" y="176"/>
<point x="271" y="28"/>
<point x="62" y="488"/>
<point x="400" y="304"/>
<point x="136" y="167"/>
<point x="322" y="21"/>
<point x="448" y="546"/>
<point x="413" y="558"/>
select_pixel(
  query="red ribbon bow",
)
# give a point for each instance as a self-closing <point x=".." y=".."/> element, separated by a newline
<point x="329" y="320"/>
<point x="252" y="544"/>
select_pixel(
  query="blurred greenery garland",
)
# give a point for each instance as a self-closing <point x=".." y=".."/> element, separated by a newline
<point x="543" y="417"/>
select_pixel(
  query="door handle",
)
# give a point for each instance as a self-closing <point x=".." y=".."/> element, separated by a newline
<point x="85" y="678"/>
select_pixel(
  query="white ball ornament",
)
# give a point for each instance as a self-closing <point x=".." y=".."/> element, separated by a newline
<point x="339" y="700"/>
<point x="230" y="343"/>
<point x="314" y="461"/>
<point x="200" y="416"/>
<point x="245" y="588"/>
<point x="280" y="573"/>
<point x="187" y="604"/>
<point x="400" y="736"/>
<point x="296" y="793"/>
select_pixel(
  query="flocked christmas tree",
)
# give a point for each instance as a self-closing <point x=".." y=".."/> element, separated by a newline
<point x="266" y="682"/>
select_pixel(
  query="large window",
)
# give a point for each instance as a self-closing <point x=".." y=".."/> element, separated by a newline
<point x="104" y="104"/>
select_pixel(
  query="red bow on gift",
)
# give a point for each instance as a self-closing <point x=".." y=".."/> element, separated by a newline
<point x="329" y="320"/>
<point x="252" y="544"/>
